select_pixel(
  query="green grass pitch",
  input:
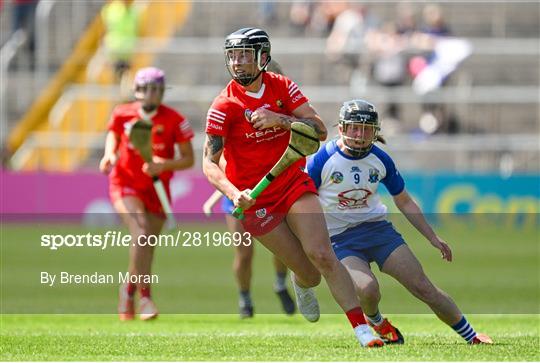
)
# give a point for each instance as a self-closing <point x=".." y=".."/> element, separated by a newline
<point x="264" y="338"/>
<point x="494" y="279"/>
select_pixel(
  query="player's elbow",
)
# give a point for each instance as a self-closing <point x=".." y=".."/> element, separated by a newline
<point x="212" y="175"/>
<point x="205" y="168"/>
<point x="208" y="167"/>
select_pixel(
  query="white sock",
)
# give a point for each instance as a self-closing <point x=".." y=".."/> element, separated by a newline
<point x="376" y="319"/>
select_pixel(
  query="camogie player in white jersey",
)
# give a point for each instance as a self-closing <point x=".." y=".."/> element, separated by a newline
<point x="347" y="172"/>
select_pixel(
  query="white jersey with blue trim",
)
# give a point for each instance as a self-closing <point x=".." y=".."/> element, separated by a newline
<point x="348" y="185"/>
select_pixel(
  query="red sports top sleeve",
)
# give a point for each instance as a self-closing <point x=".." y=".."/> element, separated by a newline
<point x="217" y="122"/>
<point x="116" y="123"/>
<point x="183" y="130"/>
<point x="293" y="97"/>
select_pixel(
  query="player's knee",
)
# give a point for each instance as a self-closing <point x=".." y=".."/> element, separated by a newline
<point x="147" y="231"/>
<point x="138" y="224"/>
<point x="369" y="291"/>
<point x="323" y="259"/>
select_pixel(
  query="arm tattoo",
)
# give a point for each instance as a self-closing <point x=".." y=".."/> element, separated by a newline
<point x="213" y="148"/>
<point x="286" y="121"/>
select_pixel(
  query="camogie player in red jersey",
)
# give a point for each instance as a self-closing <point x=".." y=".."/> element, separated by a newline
<point x="131" y="187"/>
<point x="243" y="253"/>
<point x="249" y="123"/>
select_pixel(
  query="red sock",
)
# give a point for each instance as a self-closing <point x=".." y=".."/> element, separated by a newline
<point x="131" y="288"/>
<point x="145" y="291"/>
<point x="356" y="317"/>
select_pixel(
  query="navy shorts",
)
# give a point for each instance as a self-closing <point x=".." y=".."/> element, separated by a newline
<point x="369" y="241"/>
<point x="227" y="206"/>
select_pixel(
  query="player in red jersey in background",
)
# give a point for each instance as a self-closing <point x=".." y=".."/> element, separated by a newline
<point x="130" y="179"/>
<point x="249" y="123"/>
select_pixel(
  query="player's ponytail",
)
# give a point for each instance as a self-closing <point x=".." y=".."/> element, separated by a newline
<point x="380" y="139"/>
<point x="274" y="67"/>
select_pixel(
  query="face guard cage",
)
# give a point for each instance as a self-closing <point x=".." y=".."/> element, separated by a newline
<point x="350" y="141"/>
<point x="244" y="55"/>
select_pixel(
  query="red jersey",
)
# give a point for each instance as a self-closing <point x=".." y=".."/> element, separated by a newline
<point x="169" y="127"/>
<point x="251" y="153"/>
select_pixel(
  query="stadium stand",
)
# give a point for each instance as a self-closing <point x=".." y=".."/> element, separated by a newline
<point x="69" y="122"/>
<point x="494" y="92"/>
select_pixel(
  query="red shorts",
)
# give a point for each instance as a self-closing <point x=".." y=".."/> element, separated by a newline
<point x="266" y="214"/>
<point x="148" y="196"/>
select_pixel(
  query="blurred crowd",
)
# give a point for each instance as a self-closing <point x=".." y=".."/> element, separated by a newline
<point x="120" y="19"/>
<point x="415" y="49"/>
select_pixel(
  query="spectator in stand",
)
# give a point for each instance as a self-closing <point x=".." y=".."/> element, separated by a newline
<point x="406" y="19"/>
<point x="300" y="16"/>
<point x="23" y="17"/>
<point x="390" y="50"/>
<point x="121" y="19"/>
<point x="314" y="18"/>
<point x="431" y="71"/>
<point x="434" y="23"/>
<point x="267" y="12"/>
<point x="325" y="13"/>
<point x="346" y="40"/>
<point x="388" y="58"/>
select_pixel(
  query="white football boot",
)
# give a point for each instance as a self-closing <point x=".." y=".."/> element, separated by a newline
<point x="148" y="309"/>
<point x="306" y="301"/>
<point x="366" y="338"/>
